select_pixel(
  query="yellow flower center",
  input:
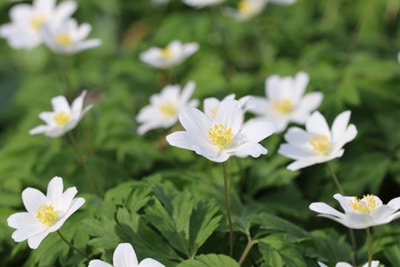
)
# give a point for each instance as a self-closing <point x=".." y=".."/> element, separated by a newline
<point x="168" y="109"/>
<point x="46" y="214"/>
<point x="282" y="106"/>
<point x="63" y="39"/>
<point x="244" y="6"/>
<point x="36" y="21"/>
<point x="220" y="136"/>
<point x="62" y="118"/>
<point x="320" y="144"/>
<point x="366" y="205"/>
<point x="166" y="53"/>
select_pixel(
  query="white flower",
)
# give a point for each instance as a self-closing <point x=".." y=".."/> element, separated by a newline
<point x="69" y="38"/>
<point x="246" y="9"/>
<point x="285" y="100"/>
<point x="282" y="2"/>
<point x="202" y="3"/>
<point x="359" y="213"/>
<point x="164" y="108"/>
<point x="344" y="264"/>
<point x="63" y="118"/>
<point x="27" y="21"/>
<point x="211" y="104"/>
<point x="45" y="213"/>
<point x="172" y="55"/>
<point x="224" y="135"/>
<point x="318" y="143"/>
<point x="125" y="256"/>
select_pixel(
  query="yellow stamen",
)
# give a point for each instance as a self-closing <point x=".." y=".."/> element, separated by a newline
<point x="366" y="205"/>
<point x="282" y="106"/>
<point x="62" y="118"/>
<point x="166" y="53"/>
<point x="244" y="6"/>
<point x="36" y="21"/>
<point x="168" y="109"/>
<point x="220" y="136"/>
<point x="46" y="214"/>
<point x="63" y="39"/>
<point x="320" y="144"/>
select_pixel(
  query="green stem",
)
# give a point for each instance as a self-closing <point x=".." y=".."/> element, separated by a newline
<point x="72" y="246"/>
<point x="227" y="193"/>
<point x="89" y="176"/>
<point x="247" y="249"/>
<point x="369" y="240"/>
<point x="351" y="232"/>
<point x="335" y="179"/>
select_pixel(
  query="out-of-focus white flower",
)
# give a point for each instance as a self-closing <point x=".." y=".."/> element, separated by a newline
<point x="246" y="9"/>
<point x="173" y="54"/>
<point x="202" y="3"/>
<point x="125" y="256"/>
<point x="27" y="21"/>
<point x="345" y="264"/>
<point x="359" y="213"/>
<point x="45" y="213"/>
<point x="64" y="117"/>
<point x="210" y="104"/>
<point x="164" y="108"/>
<point x="69" y="37"/>
<point x="282" y="2"/>
<point x="318" y="143"/>
<point x="223" y="136"/>
<point x="285" y="100"/>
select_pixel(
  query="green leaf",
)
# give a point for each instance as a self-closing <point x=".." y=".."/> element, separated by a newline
<point x="210" y="260"/>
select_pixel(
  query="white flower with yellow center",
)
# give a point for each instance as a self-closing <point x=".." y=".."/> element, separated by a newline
<point x="210" y="104"/>
<point x="45" y="213"/>
<point x="64" y="117"/>
<point x="359" y="213"/>
<point x="164" y="108"/>
<point x="317" y="143"/>
<point x="345" y="264"/>
<point x="125" y="256"/>
<point x="171" y="55"/>
<point x="69" y="37"/>
<point x="223" y="136"/>
<point x="246" y="9"/>
<point x="201" y="3"/>
<point x="285" y="100"/>
<point x="27" y="21"/>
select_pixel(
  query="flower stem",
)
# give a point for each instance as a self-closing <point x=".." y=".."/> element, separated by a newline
<point x="72" y="246"/>
<point x="247" y="249"/>
<point x="351" y="232"/>
<point x="369" y="240"/>
<point x="89" y="176"/>
<point x="227" y="193"/>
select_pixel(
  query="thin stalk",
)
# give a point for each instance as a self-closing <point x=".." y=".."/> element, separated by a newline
<point x="64" y="73"/>
<point x="246" y="250"/>
<point x="227" y="193"/>
<point x="89" y="176"/>
<point x="72" y="246"/>
<point x="351" y="232"/>
<point x="369" y="241"/>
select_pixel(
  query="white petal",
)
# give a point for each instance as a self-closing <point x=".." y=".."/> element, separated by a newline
<point x="60" y="103"/>
<point x="230" y="113"/>
<point x="125" y="256"/>
<point x="195" y="122"/>
<point x="99" y="263"/>
<point x="316" y="124"/>
<point x="190" y="48"/>
<point x="76" y="106"/>
<point x="257" y="105"/>
<point x="324" y="208"/>
<point x="150" y="263"/>
<point x="55" y="189"/>
<point x="394" y="203"/>
<point x="32" y="199"/>
<point x="300" y="83"/>
<point x="34" y="241"/>
<point x="40" y="129"/>
<point x="344" y="202"/>
<point x="187" y="92"/>
<point x="299" y="164"/>
<point x="307" y="104"/>
<point x="256" y="130"/>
